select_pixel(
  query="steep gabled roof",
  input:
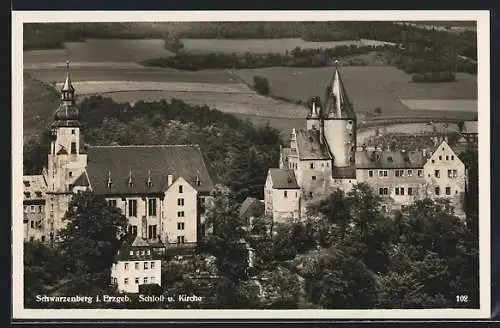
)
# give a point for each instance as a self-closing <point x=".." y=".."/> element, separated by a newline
<point x="142" y="163"/>
<point x="309" y="146"/>
<point x="283" y="179"/>
<point x="470" y="127"/>
<point x="384" y="159"/>
<point x="251" y="205"/>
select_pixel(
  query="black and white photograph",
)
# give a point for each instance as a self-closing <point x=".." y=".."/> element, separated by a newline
<point x="307" y="165"/>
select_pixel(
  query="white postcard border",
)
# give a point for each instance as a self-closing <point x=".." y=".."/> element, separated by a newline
<point x="483" y="34"/>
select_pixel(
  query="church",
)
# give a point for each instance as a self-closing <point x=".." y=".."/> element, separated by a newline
<point x="161" y="189"/>
<point x="324" y="157"/>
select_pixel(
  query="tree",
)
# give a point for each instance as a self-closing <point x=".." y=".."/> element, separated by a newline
<point x="227" y="238"/>
<point x="261" y="85"/>
<point x="43" y="268"/>
<point x="91" y="238"/>
<point x="339" y="281"/>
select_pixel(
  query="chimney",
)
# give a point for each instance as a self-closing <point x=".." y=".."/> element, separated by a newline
<point x="170" y="179"/>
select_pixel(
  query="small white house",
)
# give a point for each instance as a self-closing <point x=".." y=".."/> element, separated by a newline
<point x="138" y="263"/>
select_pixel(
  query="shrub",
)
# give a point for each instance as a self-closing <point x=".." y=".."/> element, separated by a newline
<point x="433" y="77"/>
<point x="261" y="85"/>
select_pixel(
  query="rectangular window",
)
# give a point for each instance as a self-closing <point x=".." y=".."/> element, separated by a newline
<point x="180" y="225"/>
<point x="132" y="207"/>
<point x="410" y="173"/>
<point x="454" y="173"/>
<point x="312" y="166"/>
<point x="381" y="191"/>
<point x="447" y="157"/>
<point x="152" y="265"/>
<point x="180" y="214"/>
<point x="180" y="239"/>
<point x="410" y="191"/>
<point x="137" y="265"/>
<point x="313" y="177"/>
<point x="70" y="174"/>
<point x="419" y="173"/>
<point x="40" y="208"/>
<point x="112" y="203"/>
<point x="152" y="207"/>
<point x="436" y="173"/>
<point x="385" y="173"/>
<point x="137" y="280"/>
<point x="145" y="280"/>
<point x="73" y="147"/>
<point x="397" y="190"/>
<point x="402" y="191"/>
<point x="180" y="201"/>
<point x="386" y="191"/>
<point x="181" y="189"/>
<point x="436" y="191"/>
<point x="126" y="265"/>
<point x="132" y="229"/>
<point x="285" y="194"/>
<point x="146" y="265"/>
<point x="380" y="173"/>
<point x="125" y="281"/>
<point x="33" y="224"/>
<point x="152" y="231"/>
<point x="370" y="173"/>
<point x="449" y="173"/>
<point x="452" y="157"/>
<point x="448" y="190"/>
<point x="440" y="157"/>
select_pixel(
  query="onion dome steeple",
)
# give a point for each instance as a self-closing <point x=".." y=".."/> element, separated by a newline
<point x="67" y="114"/>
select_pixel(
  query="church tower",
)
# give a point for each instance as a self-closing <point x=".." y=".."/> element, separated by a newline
<point x="65" y="161"/>
<point x="339" y="123"/>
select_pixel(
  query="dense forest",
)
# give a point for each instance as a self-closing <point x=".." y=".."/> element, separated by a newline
<point x="237" y="153"/>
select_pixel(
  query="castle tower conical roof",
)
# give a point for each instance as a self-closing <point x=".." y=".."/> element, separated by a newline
<point x="337" y="103"/>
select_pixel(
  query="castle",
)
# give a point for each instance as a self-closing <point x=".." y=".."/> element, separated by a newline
<point x="161" y="189"/>
<point x="324" y="157"/>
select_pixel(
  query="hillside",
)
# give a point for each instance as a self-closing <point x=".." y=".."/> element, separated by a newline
<point x="40" y="100"/>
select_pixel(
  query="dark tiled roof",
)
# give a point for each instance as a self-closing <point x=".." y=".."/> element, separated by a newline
<point x="283" y="179"/>
<point x="344" y="173"/>
<point x="143" y="162"/>
<point x="251" y="206"/>
<point x="389" y="159"/>
<point x="139" y="248"/>
<point x="82" y="180"/>
<point x="338" y="97"/>
<point x="309" y="146"/>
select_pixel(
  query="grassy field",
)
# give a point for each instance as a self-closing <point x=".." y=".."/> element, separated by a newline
<point x="101" y="50"/>
<point x="239" y="46"/>
<point x="100" y="87"/>
<point x="40" y="101"/>
<point x="237" y="103"/>
<point x="367" y="87"/>
<point x="78" y="74"/>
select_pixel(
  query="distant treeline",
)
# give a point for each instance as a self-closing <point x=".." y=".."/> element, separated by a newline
<point x="298" y="57"/>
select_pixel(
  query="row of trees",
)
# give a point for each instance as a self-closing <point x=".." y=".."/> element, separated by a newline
<point x="297" y="57"/>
